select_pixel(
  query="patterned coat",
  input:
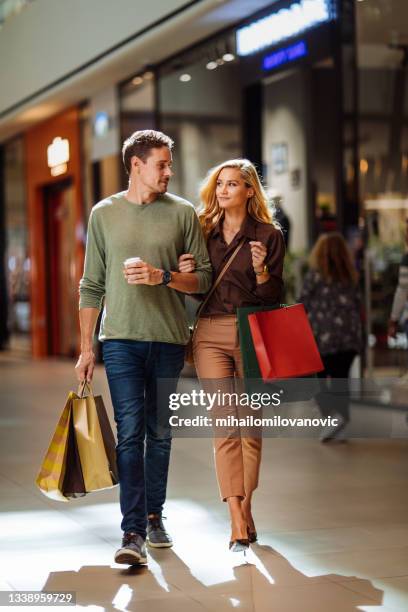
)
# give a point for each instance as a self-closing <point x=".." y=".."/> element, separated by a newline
<point x="334" y="314"/>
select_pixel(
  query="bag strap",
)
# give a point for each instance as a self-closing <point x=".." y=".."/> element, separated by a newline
<point x="84" y="384"/>
<point x="220" y="276"/>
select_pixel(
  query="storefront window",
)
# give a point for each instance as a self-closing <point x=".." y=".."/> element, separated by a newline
<point x="137" y="107"/>
<point x="383" y="168"/>
<point x="199" y="97"/>
<point x="17" y="257"/>
<point x="100" y="174"/>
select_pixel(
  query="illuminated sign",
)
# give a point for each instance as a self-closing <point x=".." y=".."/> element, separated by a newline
<point x="283" y="56"/>
<point x="285" y="23"/>
<point x="101" y="124"/>
<point x="58" y="156"/>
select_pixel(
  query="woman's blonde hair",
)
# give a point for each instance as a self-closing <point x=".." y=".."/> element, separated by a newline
<point x="257" y="205"/>
<point x="331" y="257"/>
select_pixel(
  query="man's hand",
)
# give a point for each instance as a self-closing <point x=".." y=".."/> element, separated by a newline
<point x="85" y="366"/>
<point x="186" y="263"/>
<point x="142" y="273"/>
<point x="392" y="329"/>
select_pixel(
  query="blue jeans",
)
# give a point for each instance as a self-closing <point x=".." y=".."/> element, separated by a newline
<point x="133" y="369"/>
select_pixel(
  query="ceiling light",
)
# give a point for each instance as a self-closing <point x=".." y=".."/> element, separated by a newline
<point x="211" y="65"/>
<point x="148" y="75"/>
<point x="137" y="80"/>
<point x="220" y="61"/>
<point x="228" y="57"/>
<point x="185" y="78"/>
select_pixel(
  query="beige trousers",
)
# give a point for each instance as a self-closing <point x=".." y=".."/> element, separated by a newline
<point x="218" y="362"/>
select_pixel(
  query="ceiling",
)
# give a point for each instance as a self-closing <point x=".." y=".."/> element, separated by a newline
<point x="195" y="23"/>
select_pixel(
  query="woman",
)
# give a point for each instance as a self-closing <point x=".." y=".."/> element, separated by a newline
<point x="331" y="298"/>
<point x="235" y="211"/>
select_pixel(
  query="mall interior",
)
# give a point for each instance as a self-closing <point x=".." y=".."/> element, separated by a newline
<point x="315" y="94"/>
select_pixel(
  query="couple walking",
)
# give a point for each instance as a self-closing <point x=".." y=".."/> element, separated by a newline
<point x="144" y="328"/>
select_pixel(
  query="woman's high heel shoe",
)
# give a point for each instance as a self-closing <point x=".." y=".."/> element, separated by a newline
<point x="239" y="537"/>
<point x="239" y="545"/>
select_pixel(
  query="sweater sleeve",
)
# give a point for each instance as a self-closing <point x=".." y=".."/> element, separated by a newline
<point x="271" y="291"/>
<point x="401" y="293"/>
<point x="92" y="283"/>
<point x="194" y="243"/>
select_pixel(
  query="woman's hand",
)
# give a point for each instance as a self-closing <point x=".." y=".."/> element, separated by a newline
<point x="186" y="263"/>
<point x="259" y="253"/>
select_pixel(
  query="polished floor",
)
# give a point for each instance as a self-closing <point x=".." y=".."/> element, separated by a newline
<point x="332" y="520"/>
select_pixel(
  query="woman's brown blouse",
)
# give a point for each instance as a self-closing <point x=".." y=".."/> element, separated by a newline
<point x="238" y="287"/>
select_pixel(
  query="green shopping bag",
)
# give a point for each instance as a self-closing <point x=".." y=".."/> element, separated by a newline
<point x="290" y="390"/>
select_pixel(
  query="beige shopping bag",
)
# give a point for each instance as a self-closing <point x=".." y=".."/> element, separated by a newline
<point x="73" y="484"/>
<point x="52" y="472"/>
<point x="95" y="440"/>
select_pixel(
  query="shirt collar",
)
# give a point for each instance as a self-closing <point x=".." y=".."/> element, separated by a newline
<point x="248" y="228"/>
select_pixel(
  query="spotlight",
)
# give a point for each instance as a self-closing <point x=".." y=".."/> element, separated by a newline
<point x="211" y="65"/>
<point x="228" y="57"/>
<point x="137" y="80"/>
<point x="185" y="78"/>
<point x="148" y="75"/>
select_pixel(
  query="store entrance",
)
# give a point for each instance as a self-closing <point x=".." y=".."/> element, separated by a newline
<point x="285" y="150"/>
<point x="61" y="290"/>
<point x="300" y="149"/>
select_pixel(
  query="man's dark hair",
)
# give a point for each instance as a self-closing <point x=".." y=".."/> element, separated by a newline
<point x="140" y="143"/>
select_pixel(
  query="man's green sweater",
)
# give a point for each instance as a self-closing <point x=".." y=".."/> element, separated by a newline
<point x="158" y="233"/>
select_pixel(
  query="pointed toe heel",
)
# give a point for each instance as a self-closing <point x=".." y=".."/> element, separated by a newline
<point x="239" y="545"/>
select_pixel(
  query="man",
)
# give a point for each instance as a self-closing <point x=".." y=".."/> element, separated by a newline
<point x="143" y="325"/>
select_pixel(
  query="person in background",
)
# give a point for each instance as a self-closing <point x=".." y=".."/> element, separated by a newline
<point x="235" y="211"/>
<point x="401" y="294"/>
<point x="280" y="215"/>
<point x="331" y="298"/>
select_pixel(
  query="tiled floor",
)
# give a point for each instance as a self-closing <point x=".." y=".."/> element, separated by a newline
<point x="333" y="521"/>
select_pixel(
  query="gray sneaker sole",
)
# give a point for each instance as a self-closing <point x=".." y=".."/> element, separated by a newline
<point x="158" y="544"/>
<point x="128" y="557"/>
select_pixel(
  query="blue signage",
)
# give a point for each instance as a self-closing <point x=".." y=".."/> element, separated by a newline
<point x="284" y="56"/>
<point x="298" y="17"/>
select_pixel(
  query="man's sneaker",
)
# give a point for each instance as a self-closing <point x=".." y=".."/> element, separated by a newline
<point x="133" y="551"/>
<point x="157" y="536"/>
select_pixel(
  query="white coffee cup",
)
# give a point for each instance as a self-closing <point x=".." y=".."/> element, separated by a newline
<point x="131" y="260"/>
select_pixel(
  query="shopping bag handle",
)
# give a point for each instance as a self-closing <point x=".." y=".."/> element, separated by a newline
<point x="84" y="384"/>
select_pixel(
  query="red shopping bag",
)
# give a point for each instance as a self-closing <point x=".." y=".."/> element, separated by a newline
<point x="284" y="343"/>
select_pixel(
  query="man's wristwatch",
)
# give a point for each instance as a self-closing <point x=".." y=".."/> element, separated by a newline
<point x="264" y="271"/>
<point x="166" y="279"/>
